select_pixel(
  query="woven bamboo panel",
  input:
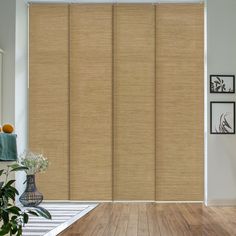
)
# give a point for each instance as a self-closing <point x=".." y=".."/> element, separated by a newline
<point x="179" y="101"/>
<point x="91" y="102"/>
<point x="134" y="98"/>
<point x="48" y="95"/>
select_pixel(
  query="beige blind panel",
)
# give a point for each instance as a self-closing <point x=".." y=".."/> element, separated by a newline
<point x="48" y="92"/>
<point x="179" y="102"/>
<point x="134" y="97"/>
<point x="116" y="100"/>
<point x="91" y="102"/>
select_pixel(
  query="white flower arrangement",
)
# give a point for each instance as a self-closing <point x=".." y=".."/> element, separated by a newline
<point x="35" y="162"/>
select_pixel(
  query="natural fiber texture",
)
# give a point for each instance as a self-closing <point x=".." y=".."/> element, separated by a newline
<point x="179" y="101"/>
<point x="134" y="97"/>
<point x="130" y="77"/>
<point x="91" y="102"/>
<point x="48" y="93"/>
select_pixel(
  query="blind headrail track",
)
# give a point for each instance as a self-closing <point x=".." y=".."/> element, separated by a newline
<point x="114" y="1"/>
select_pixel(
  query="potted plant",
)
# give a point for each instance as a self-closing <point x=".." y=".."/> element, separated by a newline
<point x="35" y="163"/>
<point x="12" y="217"/>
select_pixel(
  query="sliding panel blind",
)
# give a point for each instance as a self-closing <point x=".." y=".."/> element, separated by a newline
<point x="91" y="102"/>
<point x="48" y="95"/>
<point x="134" y="98"/>
<point x="179" y="101"/>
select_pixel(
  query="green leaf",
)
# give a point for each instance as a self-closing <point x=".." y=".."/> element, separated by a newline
<point x="5" y="230"/>
<point x="9" y="183"/>
<point x="26" y="218"/>
<point x="19" y="168"/>
<point x="14" y="165"/>
<point x="10" y="195"/>
<point x="15" y="210"/>
<point x="5" y="200"/>
<point x="5" y="217"/>
<point x="1" y="172"/>
<point x="43" y="212"/>
<point x="19" y="232"/>
<point x="14" y="190"/>
<point x="32" y="213"/>
<point x="14" y="227"/>
<point x="13" y="218"/>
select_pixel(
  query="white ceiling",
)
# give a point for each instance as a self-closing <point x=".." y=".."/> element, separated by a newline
<point x="114" y="1"/>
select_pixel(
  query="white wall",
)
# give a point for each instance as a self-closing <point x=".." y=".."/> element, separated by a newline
<point x="1" y="62"/>
<point x="7" y="43"/>
<point x="14" y="42"/>
<point x="21" y="83"/>
<point x="221" y="59"/>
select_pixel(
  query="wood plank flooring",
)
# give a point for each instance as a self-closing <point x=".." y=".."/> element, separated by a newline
<point x="152" y="219"/>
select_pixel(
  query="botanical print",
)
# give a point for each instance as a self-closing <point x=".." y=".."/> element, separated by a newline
<point x="222" y="117"/>
<point x="224" y="126"/>
<point x="222" y="83"/>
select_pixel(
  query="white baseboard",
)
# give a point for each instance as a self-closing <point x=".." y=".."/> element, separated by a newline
<point x="119" y="201"/>
<point x="198" y="202"/>
<point x="221" y="202"/>
<point x="77" y="201"/>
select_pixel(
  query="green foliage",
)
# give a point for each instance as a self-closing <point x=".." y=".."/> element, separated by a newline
<point x="12" y="217"/>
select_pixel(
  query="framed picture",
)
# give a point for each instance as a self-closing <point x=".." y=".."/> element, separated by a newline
<point x="222" y="83"/>
<point x="222" y="117"/>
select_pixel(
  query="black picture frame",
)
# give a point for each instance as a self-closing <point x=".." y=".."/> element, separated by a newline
<point x="223" y="87"/>
<point x="218" y="119"/>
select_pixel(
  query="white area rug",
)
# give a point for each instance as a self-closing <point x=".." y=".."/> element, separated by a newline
<point x="63" y="215"/>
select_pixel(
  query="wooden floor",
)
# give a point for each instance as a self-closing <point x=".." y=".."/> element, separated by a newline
<point x="150" y="219"/>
